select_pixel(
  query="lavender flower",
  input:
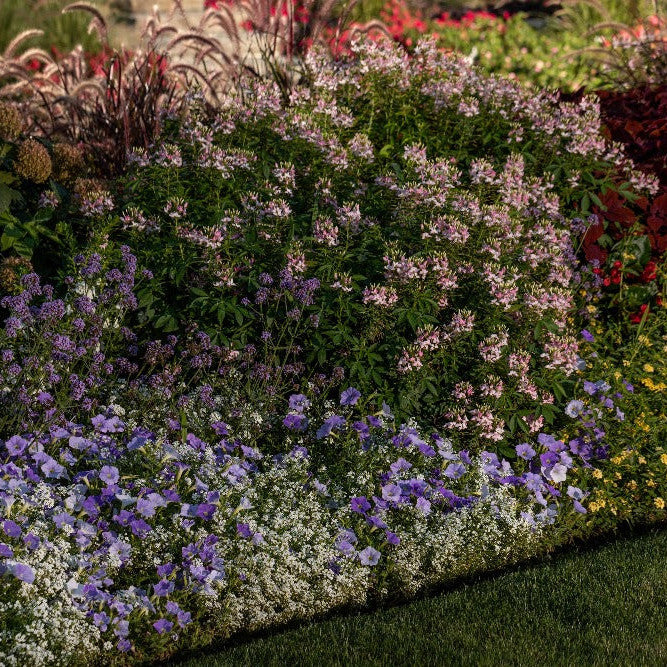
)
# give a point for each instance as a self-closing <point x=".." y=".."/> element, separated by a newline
<point x="350" y="396"/>
<point x="369" y="556"/>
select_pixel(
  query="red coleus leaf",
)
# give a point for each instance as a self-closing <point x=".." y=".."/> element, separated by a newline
<point x="591" y="249"/>
<point x="656" y="222"/>
<point x="616" y="210"/>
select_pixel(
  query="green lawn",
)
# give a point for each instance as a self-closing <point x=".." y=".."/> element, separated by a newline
<point x="604" y="605"/>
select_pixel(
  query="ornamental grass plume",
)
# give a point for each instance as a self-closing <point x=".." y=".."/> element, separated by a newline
<point x="118" y="100"/>
<point x="33" y="162"/>
<point x="630" y="41"/>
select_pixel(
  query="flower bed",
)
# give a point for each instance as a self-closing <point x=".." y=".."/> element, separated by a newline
<point x="311" y="351"/>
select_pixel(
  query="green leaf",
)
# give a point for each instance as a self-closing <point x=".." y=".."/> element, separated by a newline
<point x="596" y="200"/>
<point x="386" y="150"/>
<point x="585" y="203"/>
<point x="7" y="196"/>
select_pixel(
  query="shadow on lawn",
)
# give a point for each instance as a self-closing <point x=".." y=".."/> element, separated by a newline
<point x="623" y="534"/>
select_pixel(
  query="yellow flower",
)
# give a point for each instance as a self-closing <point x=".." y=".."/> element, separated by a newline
<point x="593" y="506"/>
<point x="632" y="485"/>
<point x="663" y="458"/>
<point x="659" y="503"/>
<point x="597" y="473"/>
<point x="642" y="460"/>
<point x="650" y="483"/>
<point x="645" y="340"/>
<point x="648" y="368"/>
<point x="626" y="362"/>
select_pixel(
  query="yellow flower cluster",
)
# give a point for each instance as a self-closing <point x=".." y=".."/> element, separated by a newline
<point x="596" y="505"/>
<point x="659" y="503"/>
<point x="617" y="460"/>
<point x="641" y="424"/>
<point x="654" y="386"/>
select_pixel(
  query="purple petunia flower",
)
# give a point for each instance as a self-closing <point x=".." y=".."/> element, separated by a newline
<point x="376" y="521"/>
<point x="206" y="511"/>
<point x="392" y="493"/>
<point x="243" y="529"/>
<point x="123" y="645"/>
<point x="549" y="459"/>
<point x="400" y="464"/>
<point x="362" y="429"/>
<point x="579" y="507"/>
<point x="369" y="556"/>
<point x="11" y="528"/>
<point x="525" y="451"/>
<point x="345" y="547"/>
<point x="162" y="626"/>
<point x="163" y="588"/>
<point x="335" y="421"/>
<point x="423" y="505"/>
<point x="589" y="387"/>
<point x="51" y="468"/>
<point x="454" y="470"/>
<point x="360" y="504"/>
<point x="165" y="570"/>
<point x="16" y="445"/>
<point x="299" y="403"/>
<point x="220" y="428"/>
<point x="296" y="422"/>
<point x="23" y="572"/>
<point x="140" y="528"/>
<point x="6" y="551"/>
<point x="587" y="335"/>
<point x="350" y="396"/>
<point x="184" y="617"/>
<point x="392" y="538"/>
<point x="574" y="408"/>
<point x="109" y="474"/>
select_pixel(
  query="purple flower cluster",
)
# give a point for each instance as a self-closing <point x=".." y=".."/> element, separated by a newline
<point x="105" y="501"/>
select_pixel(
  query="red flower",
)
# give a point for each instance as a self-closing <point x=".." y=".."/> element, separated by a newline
<point x="649" y="272"/>
<point x="636" y="318"/>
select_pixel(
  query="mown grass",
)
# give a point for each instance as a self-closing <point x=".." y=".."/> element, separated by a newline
<point x="590" y="606"/>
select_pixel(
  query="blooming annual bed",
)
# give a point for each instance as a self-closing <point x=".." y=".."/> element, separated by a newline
<point x="197" y="434"/>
